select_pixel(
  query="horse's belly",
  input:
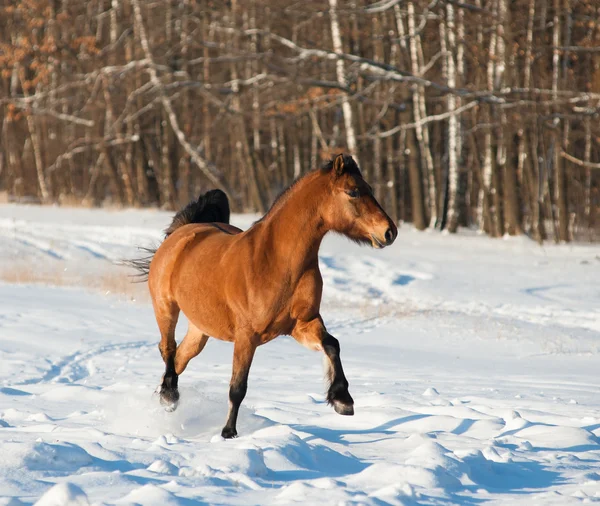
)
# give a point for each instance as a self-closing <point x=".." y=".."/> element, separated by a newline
<point x="203" y="306"/>
<point x="211" y="320"/>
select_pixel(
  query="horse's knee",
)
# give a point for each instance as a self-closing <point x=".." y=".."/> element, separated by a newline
<point x="310" y="334"/>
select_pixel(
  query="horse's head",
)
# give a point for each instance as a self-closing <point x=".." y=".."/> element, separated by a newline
<point x="354" y="211"/>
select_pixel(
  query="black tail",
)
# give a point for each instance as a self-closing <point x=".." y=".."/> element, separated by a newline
<point x="212" y="207"/>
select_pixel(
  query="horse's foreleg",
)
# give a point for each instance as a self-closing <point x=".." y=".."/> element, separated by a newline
<point x="193" y="343"/>
<point x="243" y="353"/>
<point x="314" y="336"/>
<point x="166" y="317"/>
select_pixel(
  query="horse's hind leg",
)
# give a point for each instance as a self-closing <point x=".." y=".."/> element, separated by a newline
<point x="166" y="317"/>
<point x="313" y="335"/>
<point x="193" y="343"/>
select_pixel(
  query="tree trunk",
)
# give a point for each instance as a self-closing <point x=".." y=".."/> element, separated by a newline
<point x="452" y="124"/>
<point x="341" y="78"/>
<point x="416" y="189"/>
<point x="419" y="113"/>
<point x="560" y="184"/>
<point x="43" y="184"/>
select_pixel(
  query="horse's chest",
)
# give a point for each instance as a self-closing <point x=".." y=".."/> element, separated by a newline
<point x="280" y="314"/>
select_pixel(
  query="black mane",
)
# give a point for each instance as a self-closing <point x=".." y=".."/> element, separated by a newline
<point x="349" y="163"/>
<point x="211" y="207"/>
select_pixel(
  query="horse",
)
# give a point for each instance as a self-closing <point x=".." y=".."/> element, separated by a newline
<point x="249" y="287"/>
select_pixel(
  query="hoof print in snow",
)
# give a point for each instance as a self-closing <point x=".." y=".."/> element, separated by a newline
<point x="228" y="433"/>
<point x="343" y="409"/>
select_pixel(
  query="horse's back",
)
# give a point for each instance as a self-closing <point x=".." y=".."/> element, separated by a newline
<point x="171" y="254"/>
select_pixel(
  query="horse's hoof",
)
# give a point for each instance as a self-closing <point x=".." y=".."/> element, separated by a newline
<point x="343" y="409"/>
<point x="169" y="399"/>
<point x="228" y="433"/>
<point x="169" y="408"/>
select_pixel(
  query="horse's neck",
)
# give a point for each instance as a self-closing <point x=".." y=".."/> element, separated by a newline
<point x="297" y="226"/>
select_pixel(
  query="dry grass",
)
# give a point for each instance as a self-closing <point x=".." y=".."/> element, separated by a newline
<point x="119" y="281"/>
<point x="116" y="281"/>
<point x="369" y="310"/>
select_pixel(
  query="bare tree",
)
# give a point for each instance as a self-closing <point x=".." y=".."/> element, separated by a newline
<point x="474" y="114"/>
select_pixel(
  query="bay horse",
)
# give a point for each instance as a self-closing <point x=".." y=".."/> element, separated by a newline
<point x="249" y="287"/>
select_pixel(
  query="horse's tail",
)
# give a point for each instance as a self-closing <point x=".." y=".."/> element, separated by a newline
<point x="212" y="207"/>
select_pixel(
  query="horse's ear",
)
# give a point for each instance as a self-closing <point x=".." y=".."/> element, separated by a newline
<point x="338" y="165"/>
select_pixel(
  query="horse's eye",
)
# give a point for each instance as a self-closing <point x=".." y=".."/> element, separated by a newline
<point x="354" y="193"/>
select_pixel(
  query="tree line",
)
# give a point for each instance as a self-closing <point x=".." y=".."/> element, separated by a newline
<point x="478" y="113"/>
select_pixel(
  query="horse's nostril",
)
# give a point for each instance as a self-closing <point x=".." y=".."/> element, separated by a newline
<point x="389" y="235"/>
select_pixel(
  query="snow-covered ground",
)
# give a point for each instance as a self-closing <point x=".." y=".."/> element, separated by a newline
<point x="474" y="365"/>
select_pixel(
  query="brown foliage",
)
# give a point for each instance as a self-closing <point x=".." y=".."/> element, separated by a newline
<point x="256" y="96"/>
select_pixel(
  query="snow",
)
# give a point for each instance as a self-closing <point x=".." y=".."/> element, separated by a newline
<point x="64" y="494"/>
<point x="473" y="364"/>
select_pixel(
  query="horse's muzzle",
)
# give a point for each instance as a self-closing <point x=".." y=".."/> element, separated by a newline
<point x="387" y="237"/>
<point x="390" y="235"/>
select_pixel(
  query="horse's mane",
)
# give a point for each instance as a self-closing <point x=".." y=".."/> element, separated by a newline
<point x="349" y="163"/>
<point x="212" y="207"/>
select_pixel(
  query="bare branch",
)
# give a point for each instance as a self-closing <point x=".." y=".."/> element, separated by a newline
<point x="41" y="111"/>
<point x="198" y="160"/>
<point x="382" y="70"/>
<point x="424" y="121"/>
<point x="579" y="162"/>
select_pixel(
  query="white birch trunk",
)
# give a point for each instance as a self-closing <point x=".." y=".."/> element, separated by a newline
<point x="113" y="21"/>
<point x="341" y="77"/>
<point x="419" y="109"/>
<point x="588" y="171"/>
<point x="559" y="197"/>
<point x="37" y="152"/>
<point x="452" y="124"/>
<point x="297" y="162"/>
<point x="253" y="67"/>
<point x="499" y="80"/>
<point x="487" y="146"/>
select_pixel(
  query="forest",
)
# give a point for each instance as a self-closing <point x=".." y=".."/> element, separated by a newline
<point x="475" y="113"/>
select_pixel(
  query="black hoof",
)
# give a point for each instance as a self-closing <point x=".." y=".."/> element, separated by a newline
<point x="169" y="394"/>
<point x="169" y="398"/>
<point x="343" y="409"/>
<point x="228" y="433"/>
<point x="341" y="400"/>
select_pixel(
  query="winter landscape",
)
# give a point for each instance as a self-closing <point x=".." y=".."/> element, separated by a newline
<point x="471" y="344"/>
<point x="474" y="364"/>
